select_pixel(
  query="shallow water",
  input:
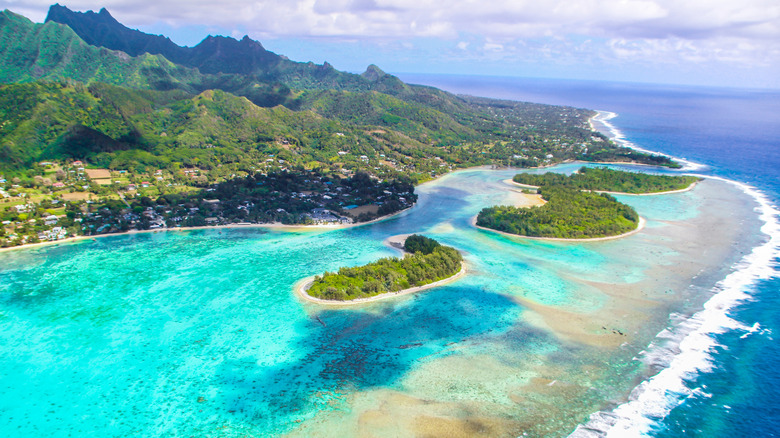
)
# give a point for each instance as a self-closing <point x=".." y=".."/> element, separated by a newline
<point x="199" y="333"/>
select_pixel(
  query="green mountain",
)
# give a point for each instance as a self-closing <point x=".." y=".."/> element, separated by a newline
<point x="66" y="99"/>
<point x="53" y="52"/>
<point x="218" y="55"/>
<point x="215" y="54"/>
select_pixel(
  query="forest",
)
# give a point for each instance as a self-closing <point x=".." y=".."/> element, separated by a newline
<point x="429" y="262"/>
<point x="65" y="99"/>
<point x="609" y="180"/>
<point x="569" y="214"/>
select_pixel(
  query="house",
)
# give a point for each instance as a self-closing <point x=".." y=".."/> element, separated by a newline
<point x="55" y="233"/>
<point x="58" y="185"/>
<point x="50" y="219"/>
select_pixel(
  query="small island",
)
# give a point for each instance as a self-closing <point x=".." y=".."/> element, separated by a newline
<point x="573" y="208"/>
<point x="426" y="262"/>
<point x="602" y="179"/>
<point x="567" y="214"/>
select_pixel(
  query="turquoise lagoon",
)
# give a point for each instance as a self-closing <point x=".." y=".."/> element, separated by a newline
<point x="199" y="333"/>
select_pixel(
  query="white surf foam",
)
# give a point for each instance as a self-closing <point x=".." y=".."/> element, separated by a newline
<point x="654" y="398"/>
<point x="616" y="135"/>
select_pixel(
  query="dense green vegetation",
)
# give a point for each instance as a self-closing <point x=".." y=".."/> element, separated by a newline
<point x="171" y="127"/>
<point x="292" y="197"/>
<point x="53" y="52"/>
<point x="604" y="179"/>
<point x="390" y="274"/>
<point x="417" y="243"/>
<point x="569" y="213"/>
<point x="162" y="115"/>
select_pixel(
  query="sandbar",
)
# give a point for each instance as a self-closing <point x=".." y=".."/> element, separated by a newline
<point x="397" y="242"/>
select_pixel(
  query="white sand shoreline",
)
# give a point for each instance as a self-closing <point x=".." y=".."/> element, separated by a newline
<point x="74" y="239"/>
<point x="639" y="227"/>
<point x="668" y="192"/>
<point x="273" y="225"/>
<point x="397" y="242"/>
<point x="303" y="285"/>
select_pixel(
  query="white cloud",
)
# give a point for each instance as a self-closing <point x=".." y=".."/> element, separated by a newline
<point x="493" y="47"/>
<point x="692" y="19"/>
<point x="613" y="32"/>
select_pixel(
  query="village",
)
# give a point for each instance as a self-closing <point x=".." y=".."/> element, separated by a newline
<point x="71" y="200"/>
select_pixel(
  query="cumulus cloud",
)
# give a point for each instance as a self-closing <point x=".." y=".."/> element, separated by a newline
<point x="690" y="19"/>
<point x="611" y="31"/>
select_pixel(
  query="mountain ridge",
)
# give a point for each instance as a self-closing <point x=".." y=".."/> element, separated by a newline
<point x="105" y="106"/>
<point x="215" y="54"/>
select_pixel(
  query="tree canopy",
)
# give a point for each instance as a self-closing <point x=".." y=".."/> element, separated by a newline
<point x="568" y="213"/>
<point x="604" y="179"/>
<point x="390" y="274"/>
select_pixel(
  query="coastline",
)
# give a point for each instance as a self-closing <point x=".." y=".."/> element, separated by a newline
<point x="277" y="225"/>
<point x="303" y="285"/>
<point x="397" y="242"/>
<point x="602" y="118"/>
<point x="273" y="225"/>
<point x="607" y="114"/>
<point x="668" y="192"/>
<point x="639" y="227"/>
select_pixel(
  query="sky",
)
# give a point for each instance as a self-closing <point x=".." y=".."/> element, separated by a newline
<point x="732" y="43"/>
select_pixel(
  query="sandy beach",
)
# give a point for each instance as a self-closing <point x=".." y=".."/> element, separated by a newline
<point x="396" y="242"/>
<point x="301" y="286"/>
<point x="525" y="200"/>
<point x="690" y="187"/>
<point x="274" y="225"/>
<point x="639" y="227"/>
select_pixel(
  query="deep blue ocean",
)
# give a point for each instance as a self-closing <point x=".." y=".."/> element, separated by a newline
<point x="735" y="133"/>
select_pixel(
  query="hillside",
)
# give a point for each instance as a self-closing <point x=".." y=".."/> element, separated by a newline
<point x="215" y="55"/>
<point x="106" y="129"/>
<point x="53" y="52"/>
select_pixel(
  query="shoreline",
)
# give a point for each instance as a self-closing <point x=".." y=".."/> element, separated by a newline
<point x="301" y="286"/>
<point x="277" y="225"/>
<point x="640" y="225"/>
<point x="397" y="242"/>
<point x="614" y="134"/>
<point x="272" y="225"/>
<point x="668" y="192"/>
